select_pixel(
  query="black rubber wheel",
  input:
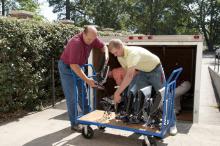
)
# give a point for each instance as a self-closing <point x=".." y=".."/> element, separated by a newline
<point x="144" y="143"/>
<point x="89" y="133"/>
<point x="151" y="140"/>
<point x="101" y="128"/>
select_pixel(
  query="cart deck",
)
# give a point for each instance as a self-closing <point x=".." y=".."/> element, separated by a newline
<point x="98" y="118"/>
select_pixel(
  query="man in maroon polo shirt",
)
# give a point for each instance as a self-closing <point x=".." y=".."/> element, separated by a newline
<point x="76" y="54"/>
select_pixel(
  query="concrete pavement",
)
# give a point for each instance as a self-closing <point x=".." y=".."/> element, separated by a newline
<point x="51" y="127"/>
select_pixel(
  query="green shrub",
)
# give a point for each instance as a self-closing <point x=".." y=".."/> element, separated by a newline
<point x="25" y="61"/>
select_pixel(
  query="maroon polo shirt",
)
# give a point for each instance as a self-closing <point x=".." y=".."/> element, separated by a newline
<point x="77" y="51"/>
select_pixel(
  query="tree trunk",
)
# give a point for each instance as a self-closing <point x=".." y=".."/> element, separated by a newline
<point x="208" y="35"/>
<point x="3" y="7"/>
<point x="68" y="9"/>
<point x="151" y="17"/>
<point x="211" y="27"/>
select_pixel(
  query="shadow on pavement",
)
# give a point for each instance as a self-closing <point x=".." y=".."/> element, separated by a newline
<point x="49" y="139"/>
<point x="63" y="116"/>
<point x="158" y="140"/>
<point x="184" y="127"/>
<point x="66" y="137"/>
<point x="61" y="105"/>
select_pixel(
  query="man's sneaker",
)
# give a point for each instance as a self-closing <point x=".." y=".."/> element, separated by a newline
<point x="77" y="128"/>
<point x="173" y="130"/>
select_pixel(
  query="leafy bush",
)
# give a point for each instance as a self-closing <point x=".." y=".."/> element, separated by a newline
<point x="25" y="61"/>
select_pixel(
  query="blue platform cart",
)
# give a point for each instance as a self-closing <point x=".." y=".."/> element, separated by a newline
<point x="100" y="119"/>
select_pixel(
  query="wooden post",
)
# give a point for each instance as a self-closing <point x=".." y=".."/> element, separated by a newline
<point x="53" y="83"/>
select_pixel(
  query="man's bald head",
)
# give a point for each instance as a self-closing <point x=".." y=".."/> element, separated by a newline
<point x="90" y="29"/>
<point x="89" y="34"/>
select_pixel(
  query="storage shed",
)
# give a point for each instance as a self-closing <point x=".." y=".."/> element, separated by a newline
<point x="174" y="51"/>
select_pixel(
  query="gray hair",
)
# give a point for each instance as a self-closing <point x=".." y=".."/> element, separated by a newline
<point x="115" y="43"/>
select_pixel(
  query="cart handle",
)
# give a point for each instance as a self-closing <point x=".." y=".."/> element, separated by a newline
<point x="174" y="75"/>
<point x="83" y="67"/>
<point x="93" y="69"/>
<point x="88" y="65"/>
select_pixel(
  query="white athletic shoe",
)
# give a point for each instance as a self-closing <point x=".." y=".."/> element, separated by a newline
<point x="173" y="130"/>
